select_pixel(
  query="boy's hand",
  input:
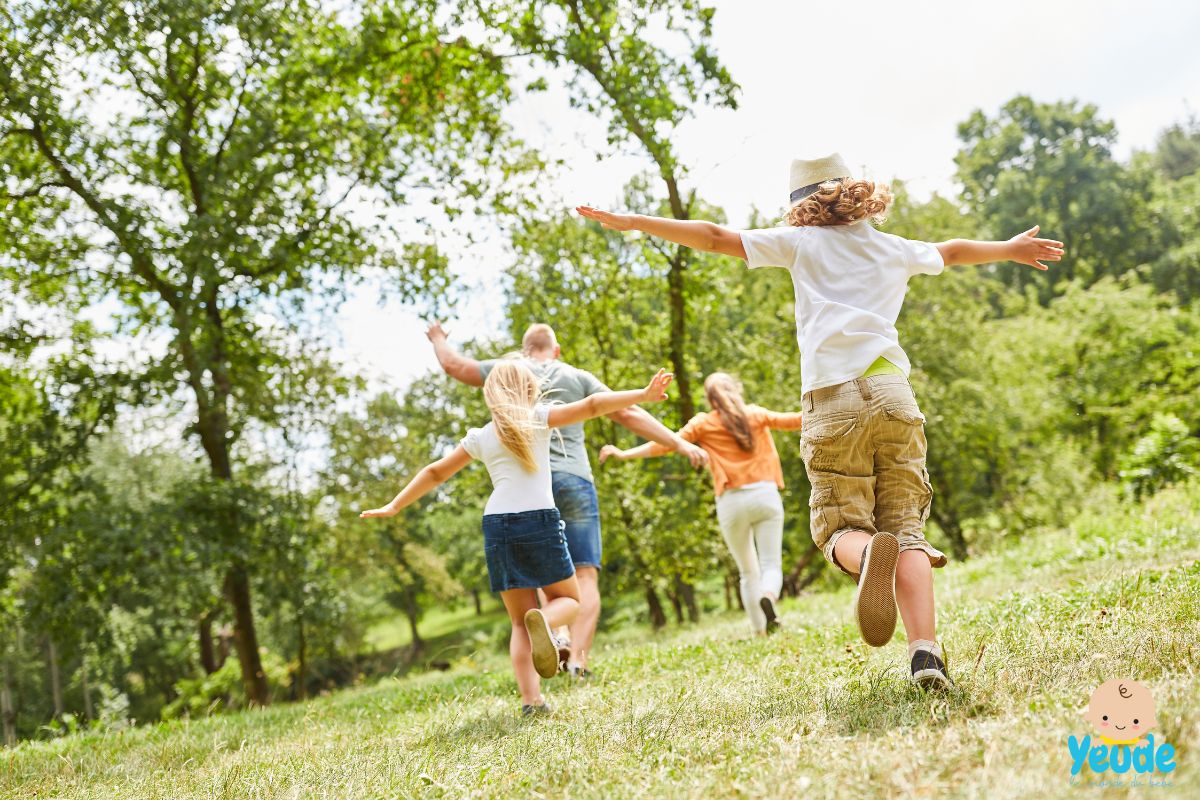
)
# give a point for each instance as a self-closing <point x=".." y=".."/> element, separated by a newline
<point x="616" y="222"/>
<point x="386" y="511"/>
<point x="697" y="456"/>
<point x="610" y="451"/>
<point x="436" y="333"/>
<point x="1027" y="249"/>
<point x="656" y="390"/>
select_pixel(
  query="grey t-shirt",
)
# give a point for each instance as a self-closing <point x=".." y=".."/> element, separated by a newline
<point x="562" y="383"/>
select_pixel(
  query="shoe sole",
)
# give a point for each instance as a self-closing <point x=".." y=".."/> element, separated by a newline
<point x="875" y="597"/>
<point x="541" y="644"/>
<point x="768" y="609"/>
<point x="931" y="680"/>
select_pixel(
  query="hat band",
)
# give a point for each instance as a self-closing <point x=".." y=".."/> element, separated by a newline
<point x="805" y="191"/>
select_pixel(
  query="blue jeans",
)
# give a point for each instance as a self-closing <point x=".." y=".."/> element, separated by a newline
<point x="576" y="500"/>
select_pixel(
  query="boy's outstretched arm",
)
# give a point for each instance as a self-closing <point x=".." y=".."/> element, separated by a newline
<point x="1024" y="248"/>
<point x="696" y="234"/>
<point x="429" y="478"/>
<point x="462" y="368"/>
<point x="602" y="403"/>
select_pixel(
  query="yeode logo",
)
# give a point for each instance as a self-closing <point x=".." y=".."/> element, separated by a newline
<point x="1122" y="712"/>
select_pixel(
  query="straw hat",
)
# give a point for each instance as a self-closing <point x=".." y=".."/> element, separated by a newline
<point x="807" y="176"/>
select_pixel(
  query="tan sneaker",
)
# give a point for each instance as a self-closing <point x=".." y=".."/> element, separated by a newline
<point x="875" y="597"/>
<point x="544" y="648"/>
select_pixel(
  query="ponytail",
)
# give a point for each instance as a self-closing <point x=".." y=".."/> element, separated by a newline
<point x="724" y="395"/>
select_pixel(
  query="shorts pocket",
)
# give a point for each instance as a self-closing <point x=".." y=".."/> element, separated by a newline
<point x="827" y="429"/>
<point x="908" y="414"/>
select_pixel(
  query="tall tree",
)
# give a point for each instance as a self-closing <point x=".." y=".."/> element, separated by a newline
<point x="1052" y="164"/>
<point x="211" y="165"/>
<point x="644" y="90"/>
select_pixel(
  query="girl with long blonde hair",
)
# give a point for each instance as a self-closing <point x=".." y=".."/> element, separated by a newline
<point x="524" y="545"/>
<point x="747" y="477"/>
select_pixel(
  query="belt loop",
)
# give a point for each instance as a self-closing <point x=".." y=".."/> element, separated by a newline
<point x="863" y="388"/>
<point x="808" y="402"/>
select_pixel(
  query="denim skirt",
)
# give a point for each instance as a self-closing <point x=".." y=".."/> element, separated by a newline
<point x="525" y="550"/>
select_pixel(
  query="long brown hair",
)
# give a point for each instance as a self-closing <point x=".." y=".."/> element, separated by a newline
<point x="511" y="391"/>
<point x="724" y="395"/>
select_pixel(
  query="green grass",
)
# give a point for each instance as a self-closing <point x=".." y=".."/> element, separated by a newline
<point x="440" y="629"/>
<point x="706" y="711"/>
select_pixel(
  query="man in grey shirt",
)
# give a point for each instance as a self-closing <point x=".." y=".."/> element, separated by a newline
<point x="574" y="489"/>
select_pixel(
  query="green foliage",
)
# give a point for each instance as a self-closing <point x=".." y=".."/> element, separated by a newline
<point x="1168" y="454"/>
<point x="1052" y="164"/>
<point x="222" y="690"/>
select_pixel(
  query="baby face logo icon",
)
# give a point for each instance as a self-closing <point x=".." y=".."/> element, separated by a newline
<point x="1121" y="711"/>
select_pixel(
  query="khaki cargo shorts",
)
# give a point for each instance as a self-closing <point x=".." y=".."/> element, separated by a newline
<point x="863" y="445"/>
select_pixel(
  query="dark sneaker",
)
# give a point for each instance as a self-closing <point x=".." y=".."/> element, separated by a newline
<point x="875" y="597"/>
<point x="540" y="710"/>
<point x="929" y="671"/>
<point x="768" y="608"/>
<point x="544" y="648"/>
<point x="581" y="673"/>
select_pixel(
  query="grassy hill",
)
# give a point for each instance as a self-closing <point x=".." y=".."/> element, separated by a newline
<point x="706" y="711"/>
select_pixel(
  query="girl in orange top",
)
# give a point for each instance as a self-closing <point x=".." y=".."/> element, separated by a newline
<point x="747" y="478"/>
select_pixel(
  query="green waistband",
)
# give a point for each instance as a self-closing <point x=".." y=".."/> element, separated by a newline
<point x="881" y="366"/>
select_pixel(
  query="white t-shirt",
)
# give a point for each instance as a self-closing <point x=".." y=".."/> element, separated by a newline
<point x="514" y="489"/>
<point x="850" y="282"/>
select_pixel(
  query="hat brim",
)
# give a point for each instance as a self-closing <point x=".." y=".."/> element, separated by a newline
<point x="804" y="191"/>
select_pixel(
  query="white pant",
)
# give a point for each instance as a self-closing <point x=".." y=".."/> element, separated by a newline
<point x="751" y="518"/>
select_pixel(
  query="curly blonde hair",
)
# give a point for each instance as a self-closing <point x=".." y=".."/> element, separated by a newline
<point x="842" y="202"/>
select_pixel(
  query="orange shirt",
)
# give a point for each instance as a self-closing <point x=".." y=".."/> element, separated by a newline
<point x="732" y="466"/>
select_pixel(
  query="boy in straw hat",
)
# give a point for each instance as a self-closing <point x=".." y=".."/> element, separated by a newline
<point x="863" y="442"/>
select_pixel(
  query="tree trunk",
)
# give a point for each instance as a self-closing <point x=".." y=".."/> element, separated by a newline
<point x="213" y="428"/>
<point x="728" y="594"/>
<point x="208" y="655"/>
<point x="658" y="618"/>
<point x="55" y="678"/>
<point x="950" y="527"/>
<point x="301" y="688"/>
<point x="237" y="590"/>
<point x="791" y="581"/>
<point x="676" y="604"/>
<point x="687" y="595"/>
<point x="7" y="712"/>
<point x="85" y="687"/>
<point x="678" y="342"/>
<point x="413" y="613"/>
<point x="478" y="602"/>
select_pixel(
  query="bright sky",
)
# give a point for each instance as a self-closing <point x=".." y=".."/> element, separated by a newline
<point x="884" y="83"/>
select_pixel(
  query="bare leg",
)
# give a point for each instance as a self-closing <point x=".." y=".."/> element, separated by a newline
<point x="583" y="629"/>
<point x="517" y="602"/>
<point x="562" y="602"/>
<point x="849" y="549"/>
<point x="914" y="595"/>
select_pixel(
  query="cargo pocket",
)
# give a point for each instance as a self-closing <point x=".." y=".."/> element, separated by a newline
<point x="823" y="513"/>
<point x="819" y="440"/>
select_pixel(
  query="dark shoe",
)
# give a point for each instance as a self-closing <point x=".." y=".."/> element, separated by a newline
<point x="581" y="673"/>
<point x="929" y="672"/>
<point x="768" y="608"/>
<point x="875" y="597"/>
<point x="543" y="647"/>
<point x="540" y="710"/>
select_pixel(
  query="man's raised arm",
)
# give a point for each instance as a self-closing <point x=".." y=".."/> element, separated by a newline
<point x="455" y="364"/>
